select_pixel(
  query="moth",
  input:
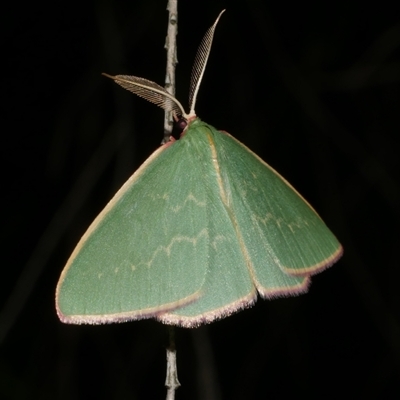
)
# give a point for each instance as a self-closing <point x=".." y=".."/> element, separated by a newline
<point x="201" y="229"/>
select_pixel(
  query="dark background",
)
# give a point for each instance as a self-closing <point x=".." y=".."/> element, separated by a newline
<point x="312" y="88"/>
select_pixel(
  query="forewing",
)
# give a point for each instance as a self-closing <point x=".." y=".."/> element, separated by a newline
<point x="147" y="251"/>
<point x="285" y="238"/>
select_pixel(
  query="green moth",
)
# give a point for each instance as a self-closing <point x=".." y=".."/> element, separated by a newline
<point x="201" y="229"/>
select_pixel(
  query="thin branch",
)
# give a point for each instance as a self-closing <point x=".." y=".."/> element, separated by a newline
<point x="171" y="380"/>
<point x="172" y="60"/>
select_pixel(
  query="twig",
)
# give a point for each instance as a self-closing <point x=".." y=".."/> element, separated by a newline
<point x="171" y="380"/>
<point x="170" y="45"/>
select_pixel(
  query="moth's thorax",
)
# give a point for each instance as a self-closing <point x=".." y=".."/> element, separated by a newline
<point x="197" y="127"/>
<point x="196" y="123"/>
<point x="196" y="133"/>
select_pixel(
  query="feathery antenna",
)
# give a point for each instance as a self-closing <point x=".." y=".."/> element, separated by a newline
<point x="200" y="63"/>
<point x="149" y="91"/>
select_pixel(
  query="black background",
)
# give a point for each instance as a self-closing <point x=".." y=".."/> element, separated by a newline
<point x="312" y="88"/>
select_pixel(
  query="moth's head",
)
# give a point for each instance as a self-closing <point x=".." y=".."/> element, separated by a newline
<point x="181" y="124"/>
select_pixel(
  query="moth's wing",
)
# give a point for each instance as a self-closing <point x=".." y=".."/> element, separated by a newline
<point x="228" y="286"/>
<point x="146" y="252"/>
<point x="285" y="238"/>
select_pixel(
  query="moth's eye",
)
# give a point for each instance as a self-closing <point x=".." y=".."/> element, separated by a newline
<point x="181" y="124"/>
